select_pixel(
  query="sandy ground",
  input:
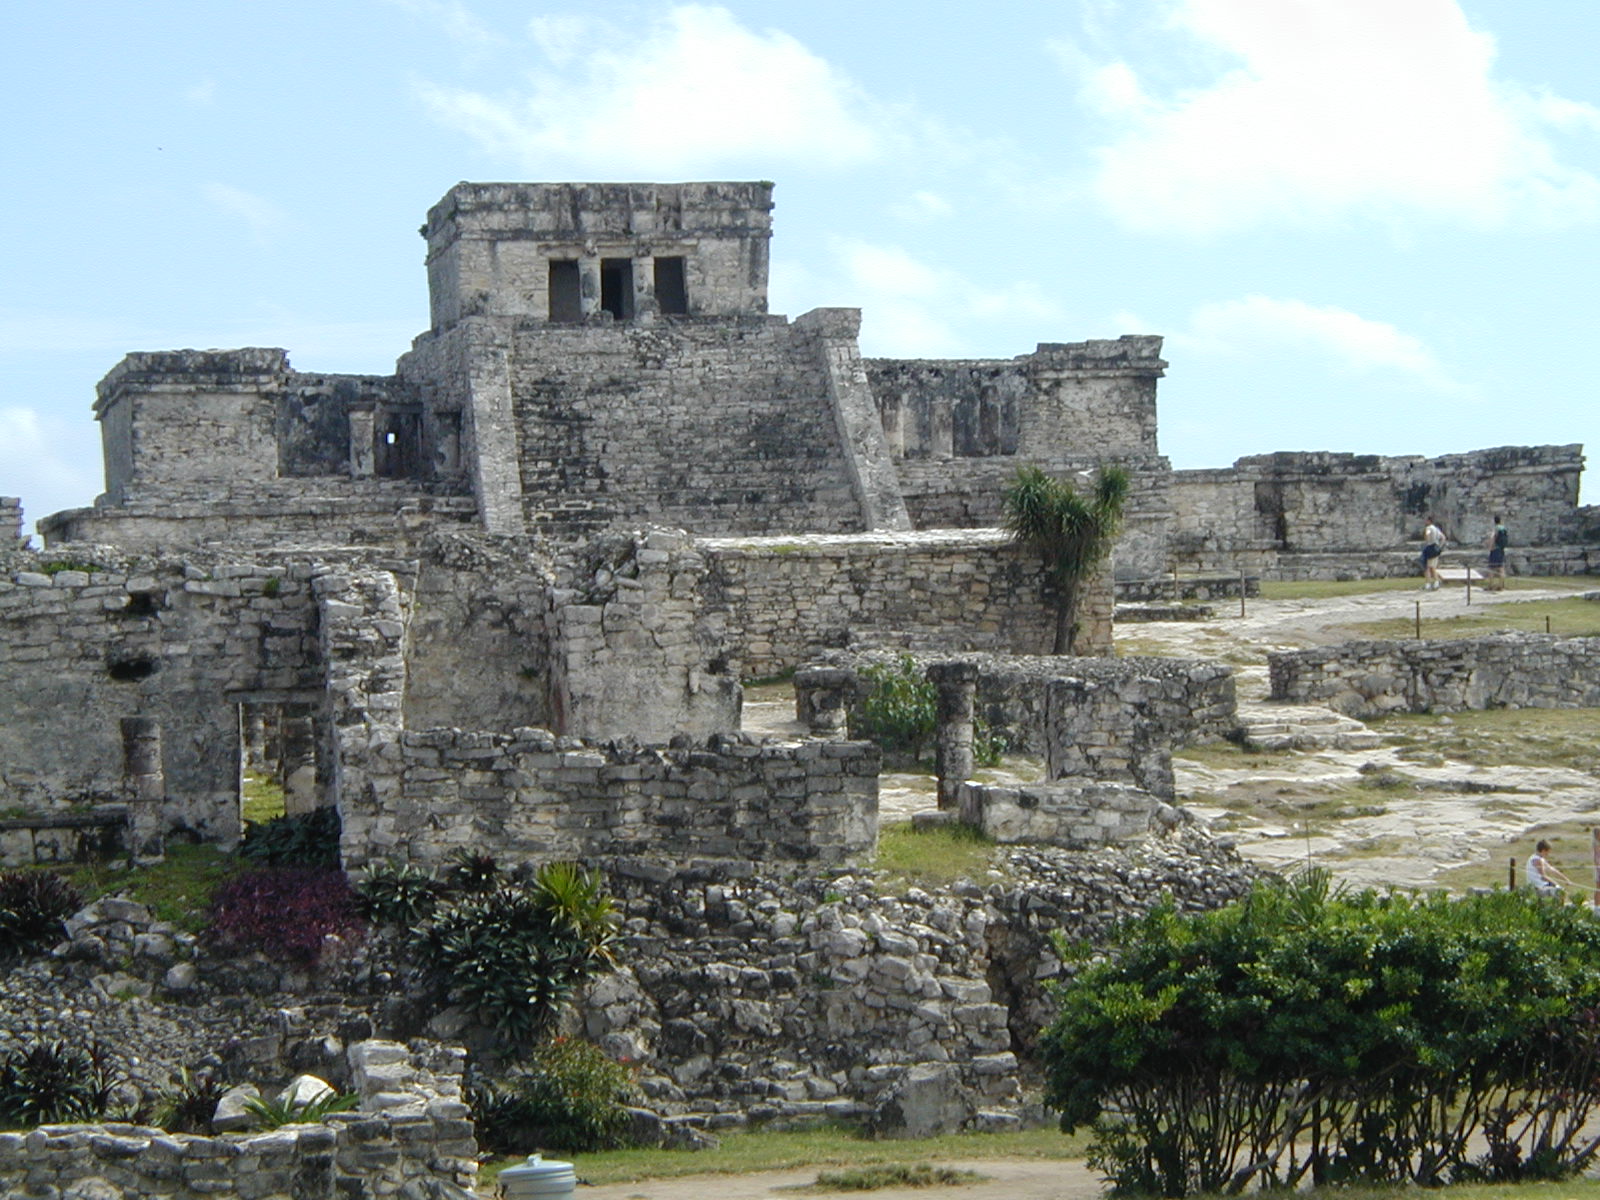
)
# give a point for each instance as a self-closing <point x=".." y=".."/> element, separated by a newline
<point x="1008" y="1179"/>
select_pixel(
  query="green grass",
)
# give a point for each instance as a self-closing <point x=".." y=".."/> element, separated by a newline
<point x="1230" y="756"/>
<point x="1322" y="589"/>
<point x="933" y="857"/>
<point x="1568" y="618"/>
<point x="178" y="889"/>
<point x="261" y="799"/>
<point x="815" y="1146"/>
<point x="1522" y="737"/>
<point x="886" y="1175"/>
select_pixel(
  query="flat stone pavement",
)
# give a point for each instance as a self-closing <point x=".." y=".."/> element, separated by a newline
<point x="1007" y="1179"/>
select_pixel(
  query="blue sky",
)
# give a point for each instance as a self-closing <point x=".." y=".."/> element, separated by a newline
<point x="1363" y="225"/>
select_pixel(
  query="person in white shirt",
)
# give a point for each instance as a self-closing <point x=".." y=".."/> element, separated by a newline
<point x="1432" y="546"/>
<point x="1544" y="877"/>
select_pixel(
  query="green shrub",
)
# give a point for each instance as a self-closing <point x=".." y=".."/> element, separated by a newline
<point x="54" y="1083"/>
<point x="400" y="894"/>
<point x="189" y="1107"/>
<point x="32" y="906"/>
<point x="569" y="1096"/>
<point x="513" y="955"/>
<point x="471" y="872"/>
<point x="898" y="711"/>
<point x="306" y="839"/>
<point x="1308" y="1033"/>
<point x="272" y="1113"/>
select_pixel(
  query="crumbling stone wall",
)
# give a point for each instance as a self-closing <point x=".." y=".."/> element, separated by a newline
<point x="959" y="429"/>
<point x="1077" y="815"/>
<point x="90" y="638"/>
<point x="1508" y="670"/>
<point x="787" y="600"/>
<point x="536" y="798"/>
<point x="716" y="426"/>
<point x="11" y="521"/>
<point x="1270" y="512"/>
<point x="410" y="1137"/>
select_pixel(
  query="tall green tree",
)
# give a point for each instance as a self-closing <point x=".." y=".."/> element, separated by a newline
<point x="1073" y="532"/>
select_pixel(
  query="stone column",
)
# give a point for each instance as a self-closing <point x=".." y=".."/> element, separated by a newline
<point x="299" y="763"/>
<point x="822" y="698"/>
<point x="145" y="785"/>
<point x="957" y="682"/>
<point x="363" y="446"/>
<point x="589" y="285"/>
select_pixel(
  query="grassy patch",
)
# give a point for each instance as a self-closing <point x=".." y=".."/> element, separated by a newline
<point x="886" y="1175"/>
<point x="1523" y="737"/>
<point x="932" y="857"/>
<point x="1323" y="589"/>
<point x="178" y="890"/>
<point x="815" y="1146"/>
<point x="1230" y="756"/>
<point x="1566" y="618"/>
<point x="261" y="799"/>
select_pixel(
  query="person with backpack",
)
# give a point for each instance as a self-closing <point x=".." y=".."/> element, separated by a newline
<point x="1499" y="539"/>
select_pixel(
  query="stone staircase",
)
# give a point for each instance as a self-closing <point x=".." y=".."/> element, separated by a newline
<point x="1302" y="727"/>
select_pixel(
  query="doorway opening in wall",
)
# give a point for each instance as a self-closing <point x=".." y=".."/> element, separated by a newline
<point x="616" y="287"/>
<point x="277" y="760"/>
<point x="672" y="291"/>
<point x="565" y="303"/>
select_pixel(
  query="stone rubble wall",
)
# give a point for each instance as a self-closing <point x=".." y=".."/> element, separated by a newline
<point x="412" y="1135"/>
<point x="748" y="999"/>
<point x="1076" y="815"/>
<point x="1295" y="508"/>
<point x="535" y="798"/>
<point x="1113" y="719"/>
<point x="1509" y="670"/>
<point x="635" y="652"/>
<point x="100" y="834"/>
<point x="11" y="521"/>
<point x="721" y="426"/>
<point x="88" y="637"/>
<point x="788" y="600"/>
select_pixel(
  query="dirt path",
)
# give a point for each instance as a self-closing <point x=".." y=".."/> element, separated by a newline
<point x="1007" y="1179"/>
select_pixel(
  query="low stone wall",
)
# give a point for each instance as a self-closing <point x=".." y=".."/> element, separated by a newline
<point x="1075" y="816"/>
<point x="68" y="837"/>
<point x="1200" y="588"/>
<point x="785" y="600"/>
<point x="410" y="1141"/>
<point x="1509" y="670"/>
<point x="534" y="797"/>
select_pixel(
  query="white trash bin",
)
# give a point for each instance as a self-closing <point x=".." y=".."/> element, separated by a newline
<point x="536" y="1177"/>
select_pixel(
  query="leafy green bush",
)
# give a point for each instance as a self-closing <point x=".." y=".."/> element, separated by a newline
<point x="1304" y="1032"/>
<point x="53" y="1083"/>
<point x="472" y="872"/>
<point x="189" y="1106"/>
<point x="390" y="893"/>
<point x="306" y="839"/>
<point x="32" y="906"/>
<point x="272" y="1113"/>
<point x="569" y="1096"/>
<point x="898" y="710"/>
<point x="513" y="955"/>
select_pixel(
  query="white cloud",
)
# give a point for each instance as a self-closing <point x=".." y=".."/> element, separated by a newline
<point x="202" y="94"/>
<point x="458" y="24"/>
<point x="1366" y="106"/>
<point x="1262" y="324"/>
<point x="922" y="207"/>
<point x="263" y="216"/>
<point x="691" y="91"/>
<point x="49" y="463"/>
<point x="910" y="308"/>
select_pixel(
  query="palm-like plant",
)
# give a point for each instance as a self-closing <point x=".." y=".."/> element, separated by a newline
<point x="1072" y="531"/>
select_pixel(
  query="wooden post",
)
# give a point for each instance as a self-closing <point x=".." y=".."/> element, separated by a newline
<point x="1469" y="583"/>
<point x="1419" y="620"/>
<point x="1241" y="591"/>
<point x="1511" y="873"/>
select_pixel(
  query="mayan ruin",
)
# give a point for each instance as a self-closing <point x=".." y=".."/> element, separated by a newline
<point x="509" y="600"/>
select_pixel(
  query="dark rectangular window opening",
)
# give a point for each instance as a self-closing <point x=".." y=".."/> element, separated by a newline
<point x="616" y="287"/>
<point x="672" y="291"/>
<point x="565" y="304"/>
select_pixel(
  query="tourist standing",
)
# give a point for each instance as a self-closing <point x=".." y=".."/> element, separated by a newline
<point x="1499" y="539"/>
<point x="1432" y="547"/>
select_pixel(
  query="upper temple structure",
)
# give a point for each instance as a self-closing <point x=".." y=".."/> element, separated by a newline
<point x="602" y="353"/>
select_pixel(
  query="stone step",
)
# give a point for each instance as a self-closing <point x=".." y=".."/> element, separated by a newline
<point x="1303" y="727"/>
